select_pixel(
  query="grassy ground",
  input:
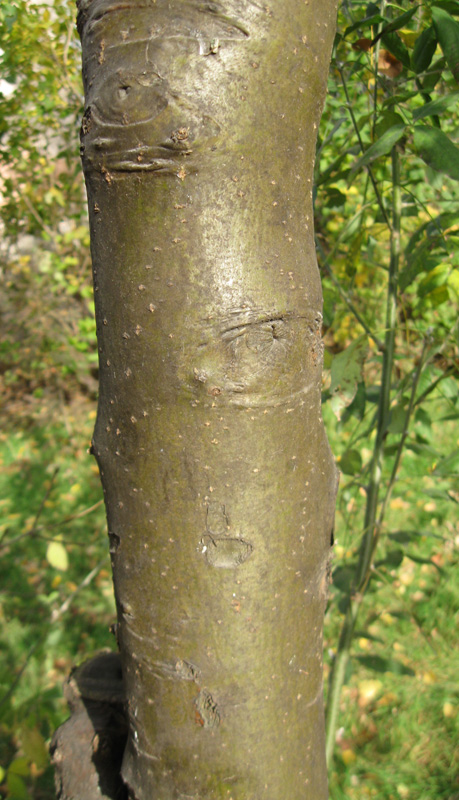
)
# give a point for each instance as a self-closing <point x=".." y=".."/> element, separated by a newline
<point x="399" y="709"/>
<point x="56" y="602"/>
<point x="399" y="719"/>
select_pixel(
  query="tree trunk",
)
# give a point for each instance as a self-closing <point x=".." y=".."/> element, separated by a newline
<point x="198" y="143"/>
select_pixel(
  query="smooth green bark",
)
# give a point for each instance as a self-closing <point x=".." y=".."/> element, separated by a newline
<point x="198" y="143"/>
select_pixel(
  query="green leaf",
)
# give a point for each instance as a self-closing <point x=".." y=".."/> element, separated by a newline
<point x="343" y="577"/>
<point x="397" y="23"/>
<point x="392" y="559"/>
<point x="437" y="150"/>
<point x="56" y="555"/>
<point x="394" y="44"/>
<point x="346" y="373"/>
<point x="447" y="30"/>
<point x="357" y="407"/>
<point x="396" y="99"/>
<point x="351" y="462"/>
<point x="364" y="634"/>
<point x="333" y="198"/>
<point x="415" y="266"/>
<point x="397" y="419"/>
<point x="20" y="766"/>
<point x="380" y="664"/>
<point x="366" y="22"/>
<point x="449" y="465"/>
<point x="451" y="6"/>
<point x="388" y="119"/>
<point x="441" y="495"/>
<point x="433" y="75"/>
<point x="34" y="747"/>
<point x="436" y="106"/>
<point x="419" y="560"/>
<point x="423" y="424"/>
<point x="435" y="278"/>
<point x="437" y="296"/>
<point x="381" y="147"/>
<point x="17" y="790"/>
<point x="424" y="50"/>
<point x="407" y="536"/>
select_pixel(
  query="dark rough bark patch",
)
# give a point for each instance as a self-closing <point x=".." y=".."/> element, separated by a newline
<point x="87" y="750"/>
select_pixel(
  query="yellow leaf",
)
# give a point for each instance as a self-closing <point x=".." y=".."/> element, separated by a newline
<point x="388" y="699"/>
<point x="449" y="710"/>
<point x="348" y="756"/>
<point x="408" y="37"/>
<point x="368" y="691"/>
<point x="387" y="618"/>
<point x="56" y="555"/>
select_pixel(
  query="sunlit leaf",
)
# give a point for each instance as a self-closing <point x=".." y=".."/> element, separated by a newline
<point x="346" y="373"/>
<point x="436" y="106"/>
<point x="435" y="278"/>
<point x="56" y="555"/>
<point x="369" y="691"/>
<point x="357" y="407"/>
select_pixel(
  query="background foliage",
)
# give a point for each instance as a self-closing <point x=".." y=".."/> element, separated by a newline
<point x="387" y="233"/>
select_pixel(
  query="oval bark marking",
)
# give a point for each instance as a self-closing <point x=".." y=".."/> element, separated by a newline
<point x="225" y="552"/>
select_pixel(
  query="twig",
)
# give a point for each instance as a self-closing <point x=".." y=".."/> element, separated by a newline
<point x="37" y="217"/>
<point x="369" y="534"/>
<point x="34" y="532"/>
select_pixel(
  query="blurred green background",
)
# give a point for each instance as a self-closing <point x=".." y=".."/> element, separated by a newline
<point x="398" y="726"/>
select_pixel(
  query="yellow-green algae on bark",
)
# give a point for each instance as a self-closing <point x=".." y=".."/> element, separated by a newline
<point x="198" y="142"/>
